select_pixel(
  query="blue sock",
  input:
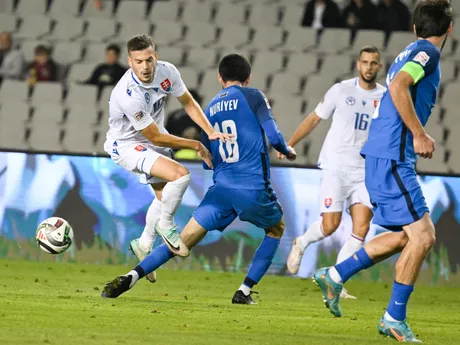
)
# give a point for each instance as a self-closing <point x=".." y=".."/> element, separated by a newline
<point x="155" y="259"/>
<point x="355" y="263"/>
<point x="397" y="307"/>
<point x="261" y="261"/>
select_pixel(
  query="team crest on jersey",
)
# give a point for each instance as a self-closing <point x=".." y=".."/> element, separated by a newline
<point x="422" y="58"/>
<point x="350" y="100"/>
<point x="140" y="148"/>
<point x="166" y="85"/>
<point x="147" y="97"/>
<point x="328" y="202"/>
<point x="138" y="116"/>
<point x="376" y="103"/>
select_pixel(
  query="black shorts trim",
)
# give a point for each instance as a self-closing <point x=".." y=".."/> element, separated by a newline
<point x="409" y="202"/>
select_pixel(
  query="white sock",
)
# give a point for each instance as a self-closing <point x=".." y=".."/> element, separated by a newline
<point x="313" y="234"/>
<point x="246" y="290"/>
<point x="335" y="276"/>
<point x="171" y="199"/>
<point x="135" y="276"/>
<point x="389" y="318"/>
<point x="149" y="235"/>
<point x="353" y="244"/>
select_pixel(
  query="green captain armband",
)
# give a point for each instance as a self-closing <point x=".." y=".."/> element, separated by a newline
<point x="415" y="70"/>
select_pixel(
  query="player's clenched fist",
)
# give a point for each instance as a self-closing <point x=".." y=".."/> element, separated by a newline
<point x="424" y="145"/>
<point x="204" y="154"/>
<point x="292" y="155"/>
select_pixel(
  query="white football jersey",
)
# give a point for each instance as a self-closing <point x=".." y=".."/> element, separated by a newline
<point x="351" y="108"/>
<point x="134" y="105"/>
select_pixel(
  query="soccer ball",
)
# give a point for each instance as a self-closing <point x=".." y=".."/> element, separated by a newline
<point x="54" y="235"/>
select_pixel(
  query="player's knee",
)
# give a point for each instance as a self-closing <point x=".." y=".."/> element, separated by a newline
<point x="179" y="172"/>
<point x="361" y="230"/>
<point x="330" y="224"/>
<point x="276" y="231"/>
<point x="428" y="240"/>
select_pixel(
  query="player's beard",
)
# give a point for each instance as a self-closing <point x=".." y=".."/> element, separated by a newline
<point x="370" y="80"/>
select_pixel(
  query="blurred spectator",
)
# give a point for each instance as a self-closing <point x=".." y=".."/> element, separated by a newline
<point x="321" y="14"/>
<point x="180" y="124"/>
<point x="110" y="72"/>
<point x="360" y="14"/>
<point x="43" y="68"/>
<point x="393" y="15"/>
<point x="11" y="60"/>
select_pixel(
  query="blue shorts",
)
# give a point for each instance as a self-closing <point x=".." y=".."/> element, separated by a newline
<point x="221" y="206"/>
<point x="394" y="192"/>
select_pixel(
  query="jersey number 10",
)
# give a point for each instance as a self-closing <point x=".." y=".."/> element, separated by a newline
<point x="361" y="121"/>
<point x="231" y="153"/>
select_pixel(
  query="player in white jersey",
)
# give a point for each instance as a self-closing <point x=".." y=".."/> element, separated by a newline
<point x="138" y="141"/>
<point x="351" y="104"/>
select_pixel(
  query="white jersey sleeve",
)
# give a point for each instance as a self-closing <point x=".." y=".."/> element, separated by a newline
<point x="327" y="106"/>
<point x="135" y="109"/>
<point x="178" y="87"/>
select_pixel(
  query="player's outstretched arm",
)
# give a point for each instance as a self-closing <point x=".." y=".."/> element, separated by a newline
<point x="193" y="109"/>
<point x="305" y="128"/>
<point x="424" y="145"/>
<point x="152" y="133"/>
<point x="276" y="139"/>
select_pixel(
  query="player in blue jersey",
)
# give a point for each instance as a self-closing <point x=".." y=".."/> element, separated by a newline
<point x="396" y="136"/>
<point x="241" y="179"/>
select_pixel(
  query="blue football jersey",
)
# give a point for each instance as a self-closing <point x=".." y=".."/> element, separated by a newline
<point x="388" y="135"/>
<point x="243" y="162"/>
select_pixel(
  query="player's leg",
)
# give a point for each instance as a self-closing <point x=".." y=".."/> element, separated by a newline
<point x="192" y="234"/>
<point x="141" y="247"/>
<point x="361" y="217"/>
<point x="332" y="202"/>
<point x="177" y="178"/>
<point x="214" y="212"/>
<point x="380" y="186"/>
<point x="153" y="215"/>
<point x="262" y="209"/>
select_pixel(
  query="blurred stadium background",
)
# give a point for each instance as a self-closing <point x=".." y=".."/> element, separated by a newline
<point x="294" y="64"/>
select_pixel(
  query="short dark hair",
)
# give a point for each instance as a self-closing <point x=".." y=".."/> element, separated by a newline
<point x="113" y="47"/>
<point x="42" y="50"/>
<point x="140" y="42"/>
<point x="369" y="49"/>
<point x="234" y="67"/>
<point x="432" y="17"/>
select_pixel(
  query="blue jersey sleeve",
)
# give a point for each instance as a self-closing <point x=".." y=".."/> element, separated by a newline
<point x="275" y="137"/>
<point x="258" y="103"/>
<point x="422" y="62"/>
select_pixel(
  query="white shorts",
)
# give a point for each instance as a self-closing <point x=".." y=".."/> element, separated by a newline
<point x="137" y="157"/>
<point x="340" y="187"/>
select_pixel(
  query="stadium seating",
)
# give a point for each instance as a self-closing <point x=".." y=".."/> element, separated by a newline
<point x="293" y="65"/>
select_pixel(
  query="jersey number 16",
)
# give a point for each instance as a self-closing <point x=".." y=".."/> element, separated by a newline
<point x="361" y="121"/>
<point x="231" y="153"/>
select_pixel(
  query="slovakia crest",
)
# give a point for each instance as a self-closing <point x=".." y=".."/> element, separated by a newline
<point x="166" y="85"/>
<point x="328" y="202"/>
<point x="140" y="148"/>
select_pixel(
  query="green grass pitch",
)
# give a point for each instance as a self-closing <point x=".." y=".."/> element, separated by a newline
<point x="60" y="303"/>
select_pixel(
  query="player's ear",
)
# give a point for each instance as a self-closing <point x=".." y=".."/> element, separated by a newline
<point x="451" y="27"/>
<point x="219" y="78"/>
<point x="247" y="82"/>
<point x="155" y="55"/>
<point x="130" y="61"/>
<point x="415" y="30"/>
